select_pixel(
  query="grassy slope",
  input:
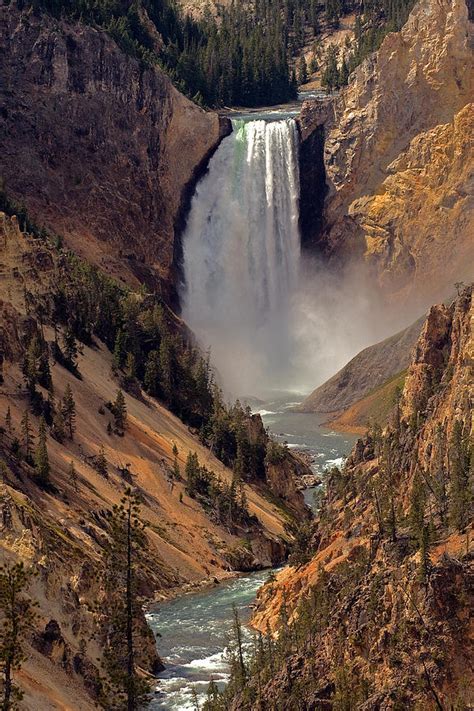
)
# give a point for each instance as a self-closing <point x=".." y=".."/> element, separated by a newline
<point x="373" y="407"/>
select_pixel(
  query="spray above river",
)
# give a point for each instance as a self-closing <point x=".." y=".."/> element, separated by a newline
<point x="242" y="252"/>
<point x="273" y="321"/>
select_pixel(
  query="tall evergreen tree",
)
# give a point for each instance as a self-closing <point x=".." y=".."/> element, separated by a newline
<point x="302" y="70"/>
<point x="119" y="411"/>
<point x="123" y="557"/>
<point x="152" y="373"/>
<point x="27" y="437"/>
<point x="68" y="410"/>
<point x="70" y="349"/>
<point x="119" y="350"/>
<point x="17" y="613"/>
<point x="41" y="455"/>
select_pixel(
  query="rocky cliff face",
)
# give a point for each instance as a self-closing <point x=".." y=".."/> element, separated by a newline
<point x="382" y="615"/>
<point x="99" y="148"/>
<point x="397" y="158"/>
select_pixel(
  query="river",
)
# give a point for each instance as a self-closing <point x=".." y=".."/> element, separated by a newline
<point x="194" y="628"/>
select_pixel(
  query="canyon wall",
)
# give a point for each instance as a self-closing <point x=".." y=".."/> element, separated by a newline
<point x="398" y="158"/>
<point x="99" y="148"/>
<point x="381" y="615"/>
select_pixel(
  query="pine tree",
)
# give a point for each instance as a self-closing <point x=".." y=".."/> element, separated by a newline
<point x="58" y="428"/>
<point x="70" y="348"/>
<point x="8" y="421"/>
<point x="72" y="475"/>
<point x="101" y="464"/>
<point x="27" y="437"/>
<point x="44" y="371"/>
<point x="237" y="661"/>
<point x="130" y="366"/>
<point x="302" y="70"/>
<point x="176" y="469"/>
<point x="41" y="455"/>
<point x="152" y="373"/>
<point x="167" y="369"/>
<point x="212" y="701"/>
<point x="191" y="472"/>
<point x="30" y="363"/>
<point x="119" y="411"/>
<point x="18" y="616"/>
<point x="123" y="558"/>
<point x="119" y="350"/>
<point x="344" y="73"/>
<point x="330" y="76"/>
<point x="68" y="410"/>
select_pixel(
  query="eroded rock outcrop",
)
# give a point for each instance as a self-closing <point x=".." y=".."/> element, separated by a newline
<point x="398" y="160"/>
<point x="100" y="149"/>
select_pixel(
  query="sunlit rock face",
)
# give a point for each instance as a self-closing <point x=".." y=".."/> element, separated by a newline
<point x="397" y="157"/>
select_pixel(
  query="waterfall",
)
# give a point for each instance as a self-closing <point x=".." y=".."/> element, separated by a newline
<point x="241" y="251"/>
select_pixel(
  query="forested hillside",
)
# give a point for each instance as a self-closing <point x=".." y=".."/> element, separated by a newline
<point x="95" y="467"/>
<point x="244" y="54"/>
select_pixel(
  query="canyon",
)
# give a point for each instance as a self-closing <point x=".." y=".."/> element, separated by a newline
<point x="110" y="173"/>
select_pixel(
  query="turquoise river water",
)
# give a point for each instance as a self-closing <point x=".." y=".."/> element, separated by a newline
<point x="195" y="628"/>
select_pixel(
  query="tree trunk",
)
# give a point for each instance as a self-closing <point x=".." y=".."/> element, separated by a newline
<point x="130" y="660"/>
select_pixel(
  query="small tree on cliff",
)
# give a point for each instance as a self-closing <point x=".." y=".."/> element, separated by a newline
<point x="124" y="689"/>
<point x="119" y="411"/>
<point x="17" y="613"/>
<point x="236" y="652"/>
<point x="460" y="465"/>
<point x="41" y="456"/>
<point x="68" y="411"/>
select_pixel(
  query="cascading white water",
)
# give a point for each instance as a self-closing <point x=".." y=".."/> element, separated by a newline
<point x="241" y="252"/>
